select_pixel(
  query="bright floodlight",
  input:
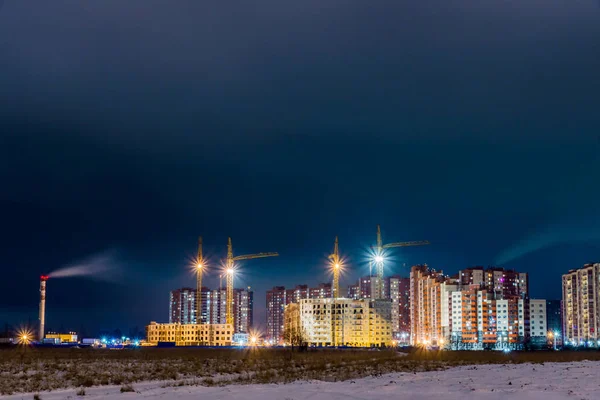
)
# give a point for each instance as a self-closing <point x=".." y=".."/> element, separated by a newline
<point x="337" y="266"/>
<point x="253" y="339"/>
<point x="378" y="258"/>
<point x="199" y="266"/>
<point x="230" y="271"/>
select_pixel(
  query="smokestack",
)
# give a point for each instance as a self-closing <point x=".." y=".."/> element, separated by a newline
<point x="43" y="280"/>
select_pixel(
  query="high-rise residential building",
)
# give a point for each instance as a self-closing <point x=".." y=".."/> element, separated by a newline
<point x="581" y="306"/>
<point x="479" y="308"/>
<point x="182" y="307"/>
<point x="341" y="322"/>
<point x="323" y="291"/>
<point x="503" y="283"/>
<point x="538" y="323"/>
<point x="218" y="306"/>
<point x="481" y="319"/>
<point x="471" y="276"/>
<point x="276" y="301"/>
<point x="425" y="305"/>
<point x="353" y="292"/>
<point x="370" y="287"/>
<point x="554" y="321"/>
<point x="243" y="306"/>
<point x="397" y="289"/>
<point x="295" y="295"/>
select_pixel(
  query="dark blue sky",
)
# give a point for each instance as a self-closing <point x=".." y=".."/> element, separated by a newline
<point x="134" y="126"/>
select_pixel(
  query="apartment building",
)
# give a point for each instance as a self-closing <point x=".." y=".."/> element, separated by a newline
<point x="182" y="307"/>
<point x="425" y="305"/>
<point x="279" y="297"/>
<point x="276" y="302"/>
<point x="342" y="322"/>
<point x="190" y="334"/>
<point x="581" y="306"/>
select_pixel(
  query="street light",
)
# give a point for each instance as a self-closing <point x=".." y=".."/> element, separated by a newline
<point x="24" y="336"/>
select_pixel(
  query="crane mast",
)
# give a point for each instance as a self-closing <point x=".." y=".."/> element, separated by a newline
<point x="199" y="269"/>
<point x="379" y="255"/>
<point x="336" y="266"/>
<point x="229" y="272"/>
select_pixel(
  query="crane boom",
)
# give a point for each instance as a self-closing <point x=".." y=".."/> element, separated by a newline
<point x="406" y="244"/>
<point x="252" y="256"/>
<point x="229" y="265"/>
<point x="379" y="255"/>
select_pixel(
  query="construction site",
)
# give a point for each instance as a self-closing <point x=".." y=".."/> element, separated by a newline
<point x="327" y="317"/>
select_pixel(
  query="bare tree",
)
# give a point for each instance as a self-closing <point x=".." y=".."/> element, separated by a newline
<point x="295" y="337"/>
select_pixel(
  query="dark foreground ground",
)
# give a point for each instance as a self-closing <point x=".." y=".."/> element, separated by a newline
<point x="28" y="369"/>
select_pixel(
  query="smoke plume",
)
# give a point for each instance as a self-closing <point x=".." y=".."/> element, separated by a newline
<point x="102" y="266"/>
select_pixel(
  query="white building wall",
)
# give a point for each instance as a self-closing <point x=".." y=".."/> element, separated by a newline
<point x="456" y="312"/>
<point x="537" y="317"/>
<point x="521" y="317"/>
<point x="502" y="315"/>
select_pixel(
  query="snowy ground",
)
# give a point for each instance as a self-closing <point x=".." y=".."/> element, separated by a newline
<point x="550" y="381"/>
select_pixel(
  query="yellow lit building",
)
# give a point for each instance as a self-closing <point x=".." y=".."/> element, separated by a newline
<point x="190" y="334"/>
<point x="426" y="301"/>
<point x="341" y="322"/>
<point x="70" y="337"/>
<point x="581" y="306"/>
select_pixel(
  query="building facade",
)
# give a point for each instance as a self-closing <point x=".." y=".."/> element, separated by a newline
<point x="538" y="323"/>
<point x="276" y="301"/>
<point x="581" y="305"/>
<point x="353" y="292"/>
<point x="555" y="322"/>
<point x="182" y="307"/>
<point x="477" y="309"/>
<point x="397" y="289"/>
<point x="425" y="305"/>
<point x="341" y="322"/>
<point x="279" y="297"/>
<point x="190" y="334"/>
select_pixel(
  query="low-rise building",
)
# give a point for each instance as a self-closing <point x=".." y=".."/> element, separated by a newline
<point x="70" y="337"/>
<point x="190" y="334"/>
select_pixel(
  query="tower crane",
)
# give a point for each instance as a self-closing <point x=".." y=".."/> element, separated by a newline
<point x="379" y="254"/>
<point x="336" y="266"/>
<point x="200" y="265"/>
<point x="229" y="265"/>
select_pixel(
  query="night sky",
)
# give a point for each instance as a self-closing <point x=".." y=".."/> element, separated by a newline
<point x="129" y="128"/>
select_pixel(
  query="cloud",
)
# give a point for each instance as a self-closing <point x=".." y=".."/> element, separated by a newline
<point x="552" y="235"/>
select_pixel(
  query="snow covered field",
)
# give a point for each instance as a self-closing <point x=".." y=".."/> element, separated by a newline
<point x="550" y="381"/>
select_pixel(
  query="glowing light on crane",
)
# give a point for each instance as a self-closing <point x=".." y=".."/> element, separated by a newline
<point x="379" y="255"/>
<point x="230" y="272"/>
<point x="336" y="265"/>
<point x="199" y="270"/>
